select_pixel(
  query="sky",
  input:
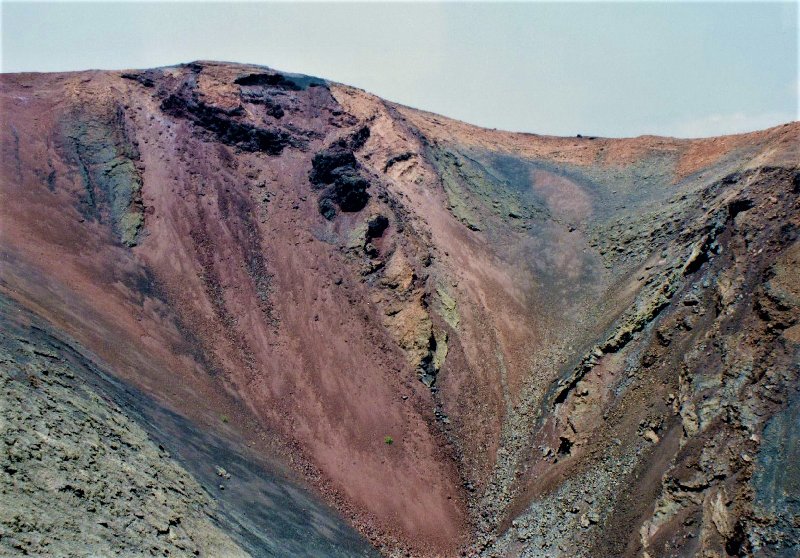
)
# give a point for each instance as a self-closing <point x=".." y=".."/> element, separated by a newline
<point x="609" y="69"/>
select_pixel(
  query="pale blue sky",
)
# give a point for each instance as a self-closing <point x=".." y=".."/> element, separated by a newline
<point x="612" y="69"/>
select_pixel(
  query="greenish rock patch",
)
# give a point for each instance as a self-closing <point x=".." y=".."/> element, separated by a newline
<point x="480" y="196"/>
<point x="107" y="160"/>
<point x="448" y="308"/>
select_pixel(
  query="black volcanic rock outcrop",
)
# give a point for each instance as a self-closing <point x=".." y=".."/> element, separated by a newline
<point x="225" y="127"/>
<point x="336" y="170"/>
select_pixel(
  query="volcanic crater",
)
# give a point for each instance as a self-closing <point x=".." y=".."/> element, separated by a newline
<point x="253" y="313"/>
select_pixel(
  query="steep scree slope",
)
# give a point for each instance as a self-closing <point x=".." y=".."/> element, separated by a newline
<point x="468" y="342"/>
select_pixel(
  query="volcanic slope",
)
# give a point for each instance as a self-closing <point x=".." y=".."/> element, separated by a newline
<point x="314" y="310"/>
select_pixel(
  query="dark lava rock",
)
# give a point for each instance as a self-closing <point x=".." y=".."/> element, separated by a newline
<point x="376" y="226"/>
<point x="330" y="163"/>
<point x="327" y="208"/>
<point x="338" y="159"/>
<point x="287" y="82"/>
<point x="256" y="97"/>
<point x="273" y="80"/>
<point x="370" y="250"/>
<point x="229" y="126"/>
<point x="358" y="138"/>
<point x="227" y="129"/>
<point x="349" y="193"/>
<point x="143" y="78"/>
<point x="337" y="168"/>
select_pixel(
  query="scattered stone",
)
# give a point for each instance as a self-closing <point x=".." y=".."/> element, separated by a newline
<point x="691" y="300"/>
<point x="223" y="473"/>
<point x="588" y="519"/>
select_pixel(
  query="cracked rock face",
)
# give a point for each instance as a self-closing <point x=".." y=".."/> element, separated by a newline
<point x="80" y="478"/>
<point x="362" y="329"/>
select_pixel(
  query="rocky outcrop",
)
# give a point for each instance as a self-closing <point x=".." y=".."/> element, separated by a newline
<point x="335" y="170"/>
<point x="225" y="126"/>
<point x="105" y="151"/>
<point x="87" y="479"/>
